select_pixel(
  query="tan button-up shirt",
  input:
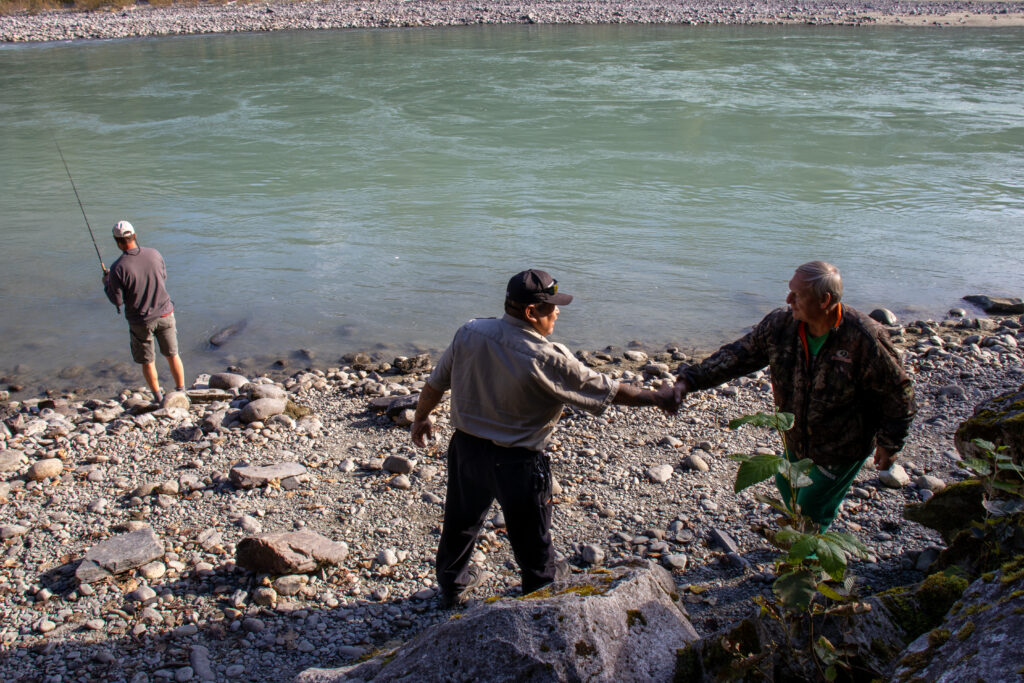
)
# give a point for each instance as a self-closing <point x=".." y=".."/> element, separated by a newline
<point x="509" y="383"/>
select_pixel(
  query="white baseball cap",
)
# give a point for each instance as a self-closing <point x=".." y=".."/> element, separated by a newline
<point x="123" y="229"/>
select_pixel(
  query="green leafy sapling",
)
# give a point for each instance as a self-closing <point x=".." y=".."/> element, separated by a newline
<point x="814" y="562"/>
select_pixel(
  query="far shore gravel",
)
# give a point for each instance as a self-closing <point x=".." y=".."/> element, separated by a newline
<point x="143" y="20"/>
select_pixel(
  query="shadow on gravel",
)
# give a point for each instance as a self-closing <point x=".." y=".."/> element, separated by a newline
<point x="301" y="637"/>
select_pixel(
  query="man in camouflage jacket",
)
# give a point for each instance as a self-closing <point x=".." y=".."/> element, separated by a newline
<point x="835" y="370"/>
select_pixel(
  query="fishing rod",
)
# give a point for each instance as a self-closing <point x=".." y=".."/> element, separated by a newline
<point x="80" y="206"/>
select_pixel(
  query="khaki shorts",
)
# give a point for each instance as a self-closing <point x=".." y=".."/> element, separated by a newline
<point x="142" y="339"/>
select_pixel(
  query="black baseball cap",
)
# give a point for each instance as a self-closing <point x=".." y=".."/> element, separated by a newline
<point x="535" y="287"/>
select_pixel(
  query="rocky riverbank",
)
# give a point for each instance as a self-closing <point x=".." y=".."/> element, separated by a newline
<point x="174" y="603"/>
<point x="142" y="20"/>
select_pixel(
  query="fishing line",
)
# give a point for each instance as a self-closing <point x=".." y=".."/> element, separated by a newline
<point x="80" y="206"/>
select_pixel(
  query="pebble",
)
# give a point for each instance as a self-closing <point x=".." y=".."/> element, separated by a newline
<point x="928" y="482"/>
<point x="46" y="468"/>
<point x="592" y="554"/>
<point x="659" y="473"/>
<point x="895" y="477"/>
<point x="695" y="462"/>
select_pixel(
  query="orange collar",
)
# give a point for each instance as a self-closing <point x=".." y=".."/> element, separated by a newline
<point x="801" y="330"/>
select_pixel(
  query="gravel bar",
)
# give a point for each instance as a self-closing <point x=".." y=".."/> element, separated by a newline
<point x="140" y="21"/>
<point x="75" y="475"/>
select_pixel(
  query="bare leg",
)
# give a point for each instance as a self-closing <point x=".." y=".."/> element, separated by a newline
<point x="149" y="372"/>
<point x="177" y="372"/>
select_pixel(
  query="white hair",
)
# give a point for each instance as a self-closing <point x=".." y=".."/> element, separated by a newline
<point x="824" y="278"/>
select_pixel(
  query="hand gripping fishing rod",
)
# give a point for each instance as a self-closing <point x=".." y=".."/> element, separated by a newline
<point x="81" y="207"/>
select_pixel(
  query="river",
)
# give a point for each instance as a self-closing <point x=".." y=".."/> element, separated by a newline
<point x="373" y="189"/>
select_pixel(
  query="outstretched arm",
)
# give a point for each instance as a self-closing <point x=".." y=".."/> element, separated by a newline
<point x="422" y="428"/>
<point x="664" y="398"/>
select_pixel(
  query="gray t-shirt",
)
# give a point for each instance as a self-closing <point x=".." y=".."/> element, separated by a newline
<point x="509" y="383"/>
<point x="137" y="280"/>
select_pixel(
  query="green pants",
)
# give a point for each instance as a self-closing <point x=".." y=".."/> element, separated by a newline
<point x="820" y="501"/>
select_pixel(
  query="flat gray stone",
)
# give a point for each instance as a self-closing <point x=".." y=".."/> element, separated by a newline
<point x="250" y="476"/>
<point x="724" y="541"/>
<point x="295" y="552"/>
<point x="11" y="460"/>
<point x="12" y="530"/>
<point x="209" y="395"/>
<point x="120" y="554"/>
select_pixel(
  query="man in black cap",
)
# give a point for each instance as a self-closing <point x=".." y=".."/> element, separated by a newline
<point x="509" y="385"/>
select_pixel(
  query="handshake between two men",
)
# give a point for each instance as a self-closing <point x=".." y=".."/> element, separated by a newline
<point x="831" y="366"/>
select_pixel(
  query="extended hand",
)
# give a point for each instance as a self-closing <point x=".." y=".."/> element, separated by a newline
<point x="884" y="458"/>
<point x="680" y="390"/>
<point x="665" y="398"/>
<point x="422" y="431"/>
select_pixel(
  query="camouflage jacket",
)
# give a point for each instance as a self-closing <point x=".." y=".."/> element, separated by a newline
<point x="849" y="397"/>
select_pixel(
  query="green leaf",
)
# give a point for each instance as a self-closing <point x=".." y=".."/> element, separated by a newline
<point x="832" y="558"/>
<point x="789" y="536"/>
<point x="779" y="421"/>
<point x="757" y="469"/>
<point x="848" y="542"/>
<point x="796" y="589"/>
<point x="803" y="548"/>
<point x="984" y="445"/>
<point x="831" y="593"/>
<point x="798" y="473"/>
<point x="831" y="673"/>
<point x="1006" y="486"/>
<point x="980" y="466"/>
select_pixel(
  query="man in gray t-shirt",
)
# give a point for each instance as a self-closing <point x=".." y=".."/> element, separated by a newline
<point x="509" y="385"/>
<point x="137" y="280"/>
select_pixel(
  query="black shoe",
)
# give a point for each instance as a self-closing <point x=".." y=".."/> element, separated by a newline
<point x="458" y="597"/>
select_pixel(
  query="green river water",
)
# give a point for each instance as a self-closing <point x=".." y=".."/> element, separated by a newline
<point x="347" y="189"/>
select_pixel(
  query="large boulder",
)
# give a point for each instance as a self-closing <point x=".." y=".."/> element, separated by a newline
<point x="997" y="304"/>
<point x="950" y="510"/>
<point x="869" y="633"/>
<point x="980" y="638"/>
<point x="262" y="409"/>
<point x="623" y="624"/>
<point x="296" y="552"/>
<point x="999" y="420"/>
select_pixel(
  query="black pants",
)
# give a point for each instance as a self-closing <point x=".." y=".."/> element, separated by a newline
<point x="478" y="472"/>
